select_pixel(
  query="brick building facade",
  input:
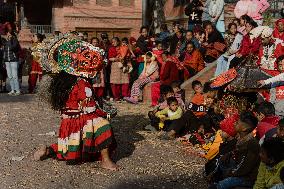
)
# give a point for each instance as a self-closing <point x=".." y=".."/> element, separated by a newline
<point x="120" y="18"/>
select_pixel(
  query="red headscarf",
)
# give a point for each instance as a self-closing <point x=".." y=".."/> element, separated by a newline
<point x="276" y="33"/>
<point x="228" y="125"/>
<point x="131" y="40"/>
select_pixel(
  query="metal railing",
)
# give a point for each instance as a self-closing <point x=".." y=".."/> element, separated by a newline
<point x="42" y="29"/>
<point x="275" y="7"/>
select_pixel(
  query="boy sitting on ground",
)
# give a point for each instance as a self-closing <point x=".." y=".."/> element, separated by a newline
<point x="198" y="97"/>
<point x="167" y="115"/>
<point x="166" y="93"/>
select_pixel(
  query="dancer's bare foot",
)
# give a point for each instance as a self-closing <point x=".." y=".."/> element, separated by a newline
<point x="109" y="165"/>
<point x="41" y="153"/>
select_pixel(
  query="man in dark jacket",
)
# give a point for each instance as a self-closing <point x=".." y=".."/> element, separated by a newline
<point x="240" y="167"/>
<point x="194" y="12"/>
<point x="10" y="46"/>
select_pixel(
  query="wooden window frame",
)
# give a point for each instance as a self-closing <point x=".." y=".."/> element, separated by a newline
<point x="104" y="4"/>
<point x="131" y="4"/>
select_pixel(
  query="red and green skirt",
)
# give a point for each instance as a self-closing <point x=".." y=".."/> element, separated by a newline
<point x="83" y="138"/>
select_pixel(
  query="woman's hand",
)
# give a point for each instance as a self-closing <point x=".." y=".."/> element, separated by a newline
<point x="261" y="83"/>
<point x="205" y="44"/>
<point x="163" y="119"/>
<point x="238" y="55"/>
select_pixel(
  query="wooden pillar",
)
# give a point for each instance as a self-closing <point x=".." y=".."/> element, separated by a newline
<point x="145" y="7"/>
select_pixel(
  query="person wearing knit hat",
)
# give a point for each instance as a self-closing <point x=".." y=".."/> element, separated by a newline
<point x="269" y="50"/>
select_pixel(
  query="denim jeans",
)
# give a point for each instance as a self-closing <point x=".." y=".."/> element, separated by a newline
<point x="232" y="182"/>
<point x="222" y="65"/>
<point x="278" y="186"/>
<point x="12" y="72"/>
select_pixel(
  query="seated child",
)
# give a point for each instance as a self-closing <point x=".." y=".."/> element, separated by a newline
<point x="172" y="112"/>
<point x="149" y="74"/>
<point x="158" y="51"/>
<point x="179" y="94"/>
<point x="200" y="36"/>
<point x="125" y="54"/>
<point x="166" y="92"/>
<point x="238" y="168"/>
<point x="198" y="97"/>
<point x="272" y="163"/>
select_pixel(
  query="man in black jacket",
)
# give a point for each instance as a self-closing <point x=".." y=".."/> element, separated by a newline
<point x="10" y="46"/>
<point x="194" y="12"/>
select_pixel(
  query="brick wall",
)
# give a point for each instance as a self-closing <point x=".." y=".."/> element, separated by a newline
<point x="96" y="15"/>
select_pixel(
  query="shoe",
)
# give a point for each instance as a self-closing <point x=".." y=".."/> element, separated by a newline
<point x="150" y="128"/>
<point x="11" y="93"/>
<point x="130" y="100"/>
<point x="17" y="93"/>
<point x="130" y="70"/>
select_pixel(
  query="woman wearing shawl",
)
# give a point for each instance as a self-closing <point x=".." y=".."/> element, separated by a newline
<point x="214" y="45"/>
<point x="233" y="40"/>
<point x="149" y="74"/>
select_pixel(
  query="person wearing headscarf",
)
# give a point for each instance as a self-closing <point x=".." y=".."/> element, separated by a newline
<point x="270" y="50"/>
<point x="149" y="74"/>
<point x="279" y="29"/>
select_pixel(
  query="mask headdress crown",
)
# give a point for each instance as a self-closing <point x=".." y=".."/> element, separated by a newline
<point x="71" y="55"/>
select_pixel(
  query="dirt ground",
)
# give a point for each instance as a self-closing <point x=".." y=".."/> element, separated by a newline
<point x="147" y="162"/>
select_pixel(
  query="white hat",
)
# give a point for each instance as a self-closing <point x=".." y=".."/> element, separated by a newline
<point x="267" y="32"/>
<point x="262" y="31"/>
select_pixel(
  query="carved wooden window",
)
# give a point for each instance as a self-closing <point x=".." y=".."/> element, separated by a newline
<point x="126" y="3"/>
<point x="104" y="2"/>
